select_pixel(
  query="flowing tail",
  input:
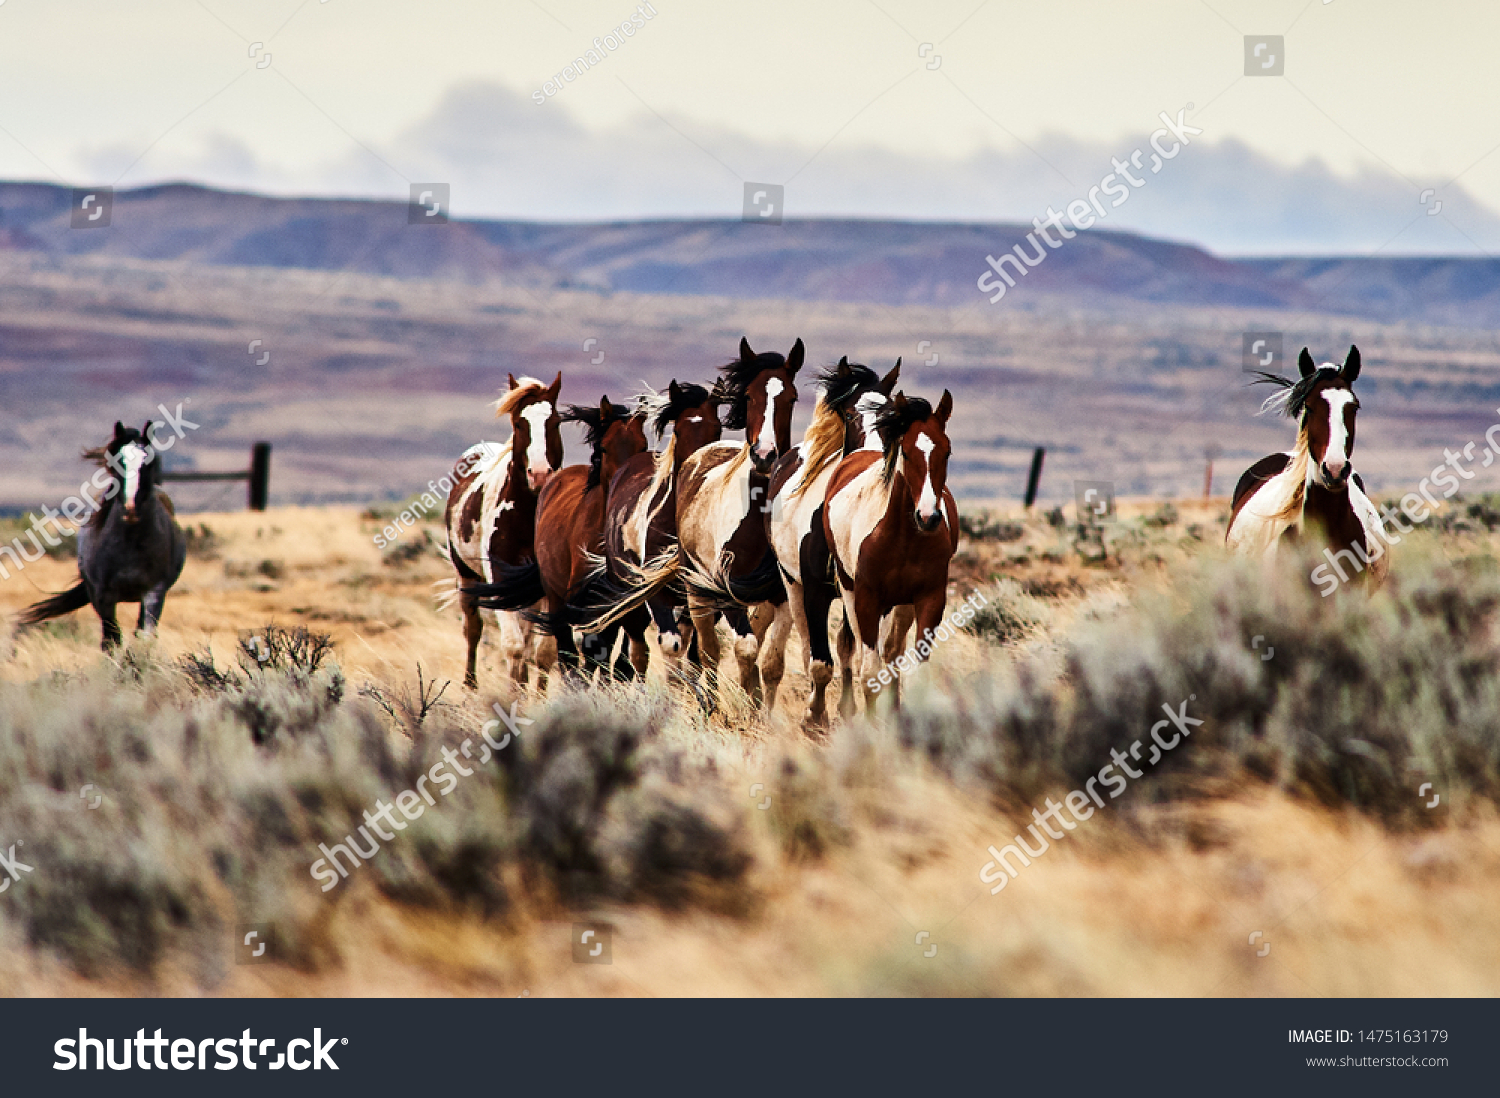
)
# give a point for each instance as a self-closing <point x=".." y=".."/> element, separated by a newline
<point x="518" y="588"/>
<point x="726" y="593"/>
<point x="603" y="600"/>
<point x="74" y="598"/>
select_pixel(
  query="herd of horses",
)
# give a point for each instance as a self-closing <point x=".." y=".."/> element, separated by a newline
<point x="762" y="533"/>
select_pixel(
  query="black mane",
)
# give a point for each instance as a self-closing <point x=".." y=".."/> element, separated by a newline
<point x="1301" y="389"/>
<point x="595" y="423"/>
<point x="737" y="377"/>
<point x="839" y="389"/>
<point x="892" y="422"/>
<point x="688" y="396"/>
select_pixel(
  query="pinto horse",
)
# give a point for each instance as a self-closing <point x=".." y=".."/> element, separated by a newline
<point x="131" y="549"/>
<point x="1311" y="492"/>
<point x="724" y="554"/>
<point x="640" y="527"/>
<point x="794" y="523"/>
<point x="892" y="527"/>
<point x="570" y="512"/>
<point x="491" y="514"/>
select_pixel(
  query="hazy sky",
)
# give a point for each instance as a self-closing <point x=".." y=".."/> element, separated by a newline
<point x="838" y="100"/>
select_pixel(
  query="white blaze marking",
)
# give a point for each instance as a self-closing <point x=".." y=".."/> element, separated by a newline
<point x="695" y="419"/>
<point x="768" y="425"/>
<point x="132" y="457"/>
<point x="536" y="454"/>
<point x="1338" y="432"/>
<point x="927" y="503"/>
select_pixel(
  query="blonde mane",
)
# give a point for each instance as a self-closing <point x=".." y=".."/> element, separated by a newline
<point x="1296" y="472"/>
<point x="660" y="475"/>
<point x="511" y="398"/>
<point x="824" y="440"/>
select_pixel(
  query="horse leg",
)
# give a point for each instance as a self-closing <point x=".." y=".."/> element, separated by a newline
<point x="773" y="646"/>
<point x="748" y="628"/>
<point x="664" y="617"/>
<point x="151" y="606"/>
<point x="865" y="612"/>
<point x="894" y="629"/>
<point x="810" y="613"/>
<point x="513" y="630"/>
<point x="929" y="614"/>
<point x="706" y="638"/>
<point x="847" y="653"/>
<point x="112" y="635"/>
<point x="473" y="631"/>
<point x="639" y="654"/>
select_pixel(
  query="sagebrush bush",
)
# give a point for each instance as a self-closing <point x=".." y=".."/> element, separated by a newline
<point x="1350" y="699"/>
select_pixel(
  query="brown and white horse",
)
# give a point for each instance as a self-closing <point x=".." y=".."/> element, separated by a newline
<point x="1311" y="494"/>
<point x="724" y="552"/>
<point x="640" y="527"/>
<point x="491" y="514"/>
<point x="892" y="527"/>
<point x="570" y="513"/>
<point x="841" y="425"/>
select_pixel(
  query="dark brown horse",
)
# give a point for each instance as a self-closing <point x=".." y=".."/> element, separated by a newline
<point x="131" y="549"/>
<point x="491" y="514"/>
<point x="569" y="530"/>
<point x="892" y="527"/>
<point x="1311" y="494"/>
<point x="640" y="528"/>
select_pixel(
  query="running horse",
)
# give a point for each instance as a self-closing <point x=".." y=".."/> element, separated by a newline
<point x="1311" y="493"/>
<point x="131" y="549"/>
<point x="630" y="584"/>
<point x="570" y="512"/>
<point x="892" y="527"/>
<point x="491" y="515"/>
<point x="842" y="424"/>
<point x="724" y="553"/>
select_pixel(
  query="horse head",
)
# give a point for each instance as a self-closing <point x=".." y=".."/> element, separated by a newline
<point x="845" y="388"/>
<point x="760" y="392"/>
<point x="1323" y="403"/>
<point x="692" y="412"/>
<point x="536" y="440"/>
<point x="136" y="465"/>
<point x="915" y="441"/>
<point x="613" y="433"/>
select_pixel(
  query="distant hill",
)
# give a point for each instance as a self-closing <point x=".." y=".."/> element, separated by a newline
<point x="912" y="263"/>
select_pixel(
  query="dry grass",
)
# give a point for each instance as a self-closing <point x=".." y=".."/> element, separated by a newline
<point x="629" y="807"/>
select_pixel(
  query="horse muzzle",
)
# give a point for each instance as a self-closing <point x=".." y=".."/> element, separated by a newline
<point x="130" y="515"/>
<point x="1335" y="480"/>
<point x="762" y="458"/>
<point x="537" y="477"/>
<point x="927" y="524"/>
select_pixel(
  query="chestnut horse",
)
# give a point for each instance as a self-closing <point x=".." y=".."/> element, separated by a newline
<point x="131" y="549"/>
<point x="1311" y="492"/>
<point x="570" y="513"/>
<point x="794" y="522"/>
<point x="724" y="554"/>
<point x="491" y="515"/>
<point x="640" y="528"/>
<point x="892" y="527"/>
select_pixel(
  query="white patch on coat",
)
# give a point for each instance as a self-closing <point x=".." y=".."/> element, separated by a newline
<point x="1256" y="530"/>
<point x="867" y="407"/>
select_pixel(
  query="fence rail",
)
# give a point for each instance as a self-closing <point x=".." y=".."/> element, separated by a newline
<point x="258" y="475"/>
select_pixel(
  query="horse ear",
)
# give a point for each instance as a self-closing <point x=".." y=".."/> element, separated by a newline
<point x="888" y="382"/>
<point x="898" y="401"/>
<point x="1351" y="365"/>
<point x="746" y="354"/>
<point x="604" y="408"/>
<point x="945" y="408"/>
<point x="146" y="431"/>
<point x="794" y="360"/>
<point x="1305" y="363"/>
<point x="844" y="366"/>
<point x="556" y="386"/>
<point x="674" y="391"/>
<point x="512" y="379"/>
<point x="119" y="430"/>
